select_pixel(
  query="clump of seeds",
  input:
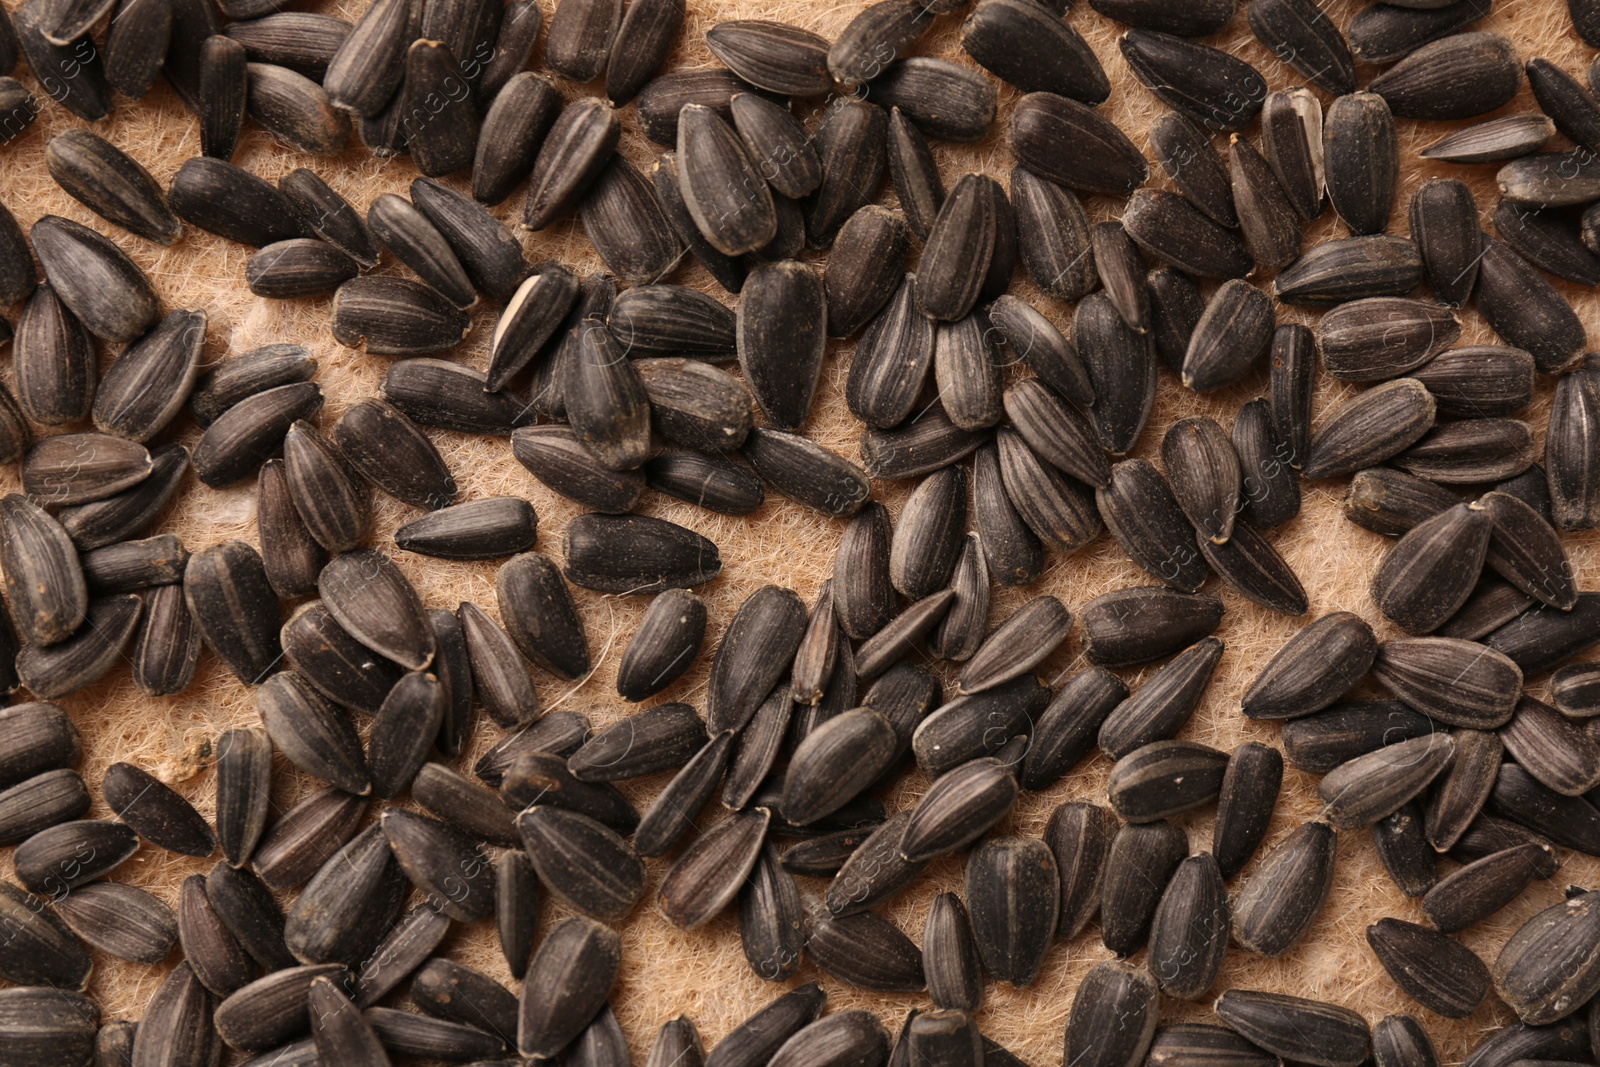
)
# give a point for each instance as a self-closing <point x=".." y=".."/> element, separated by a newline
<point x="297" y="944"/>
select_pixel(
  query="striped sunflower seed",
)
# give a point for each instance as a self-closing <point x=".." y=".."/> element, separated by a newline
<point x="492" y="528"/>
<point x="1392" y="32"/>
<point x="1431" y="570"/>
<point x="1189" y="932"/>
<point x="1525" y="310"/>
<point x="852" y="145"/>
<point x="1354" y="268"/>
<point x="1080" y="836"/>
<point x="121" y="921"/>
<point x="1291" y="141"/>
<point x="168" y="646"/>
<point x="1171" y="229"/>
<point x="111" y="184"/>
<point x="395" y="317"/>
<point x="56" y="670"/>
<point x="1548" y="241"/>
<point x="1470" y="451"/>
<point x="247" y="434"/>
<point x="1113" y="1016"/>
<point x="1205" y="84"/>
<point x="1249" y="793"/>
<point x="1400" y="1041"/>
<point x="1203" y="469"/>
<point x="219" y="962"/>
<point x="148" y="383"/>
<point x="1139" y="860"/>
<point x="312" y="734"/>
<point x="298" y="267"/>
<point x="1323" y="740"/>
<point x="1483" y="683"/>
<point x="104" y="289"/>
<point x="781" y="327"/>
<point x="224" y="80"/>
<point x="1479" y="380"/>
<point x="1189" y="159"/>
<point x="1307" y="40"/>
<point x="1033" y="49"/>
<point x="1391" y="502"/>
<point x="577" y="148"/>
<point x="1362" y="161"/>
<point x="402" y="731"/>
<point x="157" y="813"/>
<point x="867" y="951"/>
<point x="950" y="955"/>
<point x="1270" y="490"/>
<point x="651" y="321"/>
<point x="1521" y="972"/>
<point x="411" y="237"/>
<point x="1163" y="704"/>
<point x="328" y="215"/>
<point x="1526" y="551"/>
<point x="866" y="270"/>
<point x="1195" y="20"/>
<point x="1403" y="848"/>
<point x="1065" y="732"/>
<point x="1069" y="143"/>
<point x="943" y="99"/>
<point x="1314" y="669"/>
<point x="1054" y="237"/>
<point x="1015" y="892"/>
<point x="513" y="128"/>
<point x="1165" y="778"/>
<point x="1198" y="1044"/>
<point x="1138" y="507"/>
<point x="79" y="468"/>
<point x="891" y="360"/>
<point x="555" y="456"/>
<point x="1458" y="77"/>
<point x="60" y="858"/>
<point x="295" y="109"/>
<point x="1374" y="426"/>
<point x="1308" y="1031"/>
<point x="244" y="780"/>
<point x="1284" y="895"/>
<point x="1551" y="749"/>
<point x="1380" y="337"/>
<point x="1369" y="787"/>
<point x="1481" y="888"/>
<point x="582" y="861"/>
<point x="388" y="449"/>
<point x="1494" y="140"/>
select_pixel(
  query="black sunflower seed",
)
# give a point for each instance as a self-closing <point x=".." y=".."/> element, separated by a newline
<point x="1458" y="77"/>
<point x="1362" y="161"/>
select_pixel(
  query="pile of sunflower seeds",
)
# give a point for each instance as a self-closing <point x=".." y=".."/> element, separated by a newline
<point x="297" y="943"/>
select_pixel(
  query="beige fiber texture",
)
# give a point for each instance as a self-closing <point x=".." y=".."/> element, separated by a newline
<point x="703" y="973"/>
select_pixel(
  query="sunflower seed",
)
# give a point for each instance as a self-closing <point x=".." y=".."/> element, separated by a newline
<point x="1199" y="1044"/>
<point x="296" y="110"/>
<point x="56" y="670"/>
<point x="1548" y="241"/>
<point x="104" y="289"/>
<point x="582" y="861"/>
<point x="1188" y="158"/>
<point x="1391" y="502"/>
<point x="111" y="184"/>
<point x="1521" y="972"/>
<point x="756" y="650"/>
<point x="513" y="128"/>
<point x="1361" y="157"/>
<point x="499" y="671"/>
<point x="782" y="317"/>
<point x="1057" y="431"/>
<point x="60" y="858"/>
<point x="651" y="321"/>
<point x="79" y="468"/>
<point x="1483" y="887"/>
<point x="121" y="921"/>
<point x="1283" y="897"/>
<point x="539" y="615"/>
<point x="1442" y="975"/>
<point x="1308" y="1031"/>
<point x="851" y="143"/>
<point x="1057" y="509"/>
<point x="1017" y="645"/>
<point x="312" y="734"/>
<point x="1480" y="380"/>
<point x="805" y="472"/>
<point x="635" y="554"/>
<point x="577" y="148"/>
<point x="555" y="456"/>
<point x="1551" y="749"/>
<point x="1015" y="892"/>
<point x="1431" y="570"/>
<point x="348" y="907"/>
<point x="366" y="70"/>
<point x="1471" y="451"/>
<point x="1053" y="236"/>
<point x="244" y="779"/>
<point x="1202" y="83"/>
<point x="1367" y="788"/>
<point x="327" y="214"/>
<point x="135" y="45"/>
<point x="1482" y="682"/>
<point x="1374" y="426"/>
<point x="1271" y="492"/>
<point x="891" y="360"/>
<point x="295" y="846"/>
<point x="1314" y="669"/>
<point x="1380" y="337"/>
<point x="219" y="962"/>
<point x="1030" y="47"/>
<point x="1113" y="1015"/>
<point x="247" y="434"/>
<point x="402" y="732"/>
<point x="298" y="267"/>
<point x="943" y="99"/>
<point x="157" y="813"/>
<point x="1404" y="850"/>
<point x="1139" y="509"/>
<point x="1571" y="822"/>
<point x="1537" y="318"/>
<point x="223" y="85"/>
<point x="1458" y="77"/>
<point x="1170" y="228"/>
<point x="1548" y="180"/>
<point x="271" y="1010"/>
<point x="1164" y="778"/>
<point x="1353" y="268"/>
<point x="1386" y="34"/>
<point x="1165" y="702"/>
<point x="977" y="724"/>
<point x="334" y="663"/>
<point x="867" y="951"/>
<point x="1300" y="34"/>
<point x="1063" y="141"/>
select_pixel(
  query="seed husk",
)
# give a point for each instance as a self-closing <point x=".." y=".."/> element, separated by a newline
<point x="661" y="99"/>
<point x="1362" y="159"/>
<point x="1282" y="898"/>
<point x="499" y="671"/>
<point x="1479" y="380"/>
<point x="1481" y="888"/>
<point x="295" y="846"/>
<point x="943" y="99"/>
<point x="59" y="859"/>
<point x="298" y="267"/>
<point x="1573" y="690"/>
<point x="1165" y="778"/>
<point x="582" y="861"/>
<point x="1192" y="20"/>
<point x="220" y="963"/>
<point x="224" y="81"/>
<point x="555" y="456"/>
<point x="1291" y="141"/>
<point x="1163" y="704"/>
<point x="1471" y="451"/>
<point x="156" y="812"/>
<point x="395" y="317"/>
<point x="513" y="128"/>
<point x="1403" y="848"/>
<point x="1053" y="236"/>
<point x="1391" y="502"/>
<point x="1033" y="49"/>
<point x="391" y="452"/>
<point x="1571" y="822"/>
<point x="1314" y="669"/>
<point x="104" y="289"/>
<point x="402" y="731"/>
<point x="349" y="905"/>
<point x="312" y="734"/>
<point x="911" y="164"/>
<point x="1066" y="142"/>
<point x="756" y="650"/>
<point x="1482" y="683"/>
<point x="1137" y="861"/>
<point x="1189" y="932"/>
<point x="1369" y="787"/>
<point x="1174" y="231"/>
<point x="891" y="360"/>
<point x="244" y="779"/>
<point x="1307" y="1031"/>
<point x="1308" y="41"/>
<point x="67" y="666"/>
<point x="650" y="321"/>
<point x="1200" y="1044"/>
<point x="1526" y="551"/>
<point x="1354" y="268"/>
<point x="492" y="528"/>
<point x="1525" y="310"/>
<point x="54" y="362"/>
<point x="247" y="434"/>
<point x="333" y="662"/>
<point x="1113" y="1016"/>
<point x="1551" y="748"/>
<point x="1381" y="337"/>
<point x="1463" y="788"/>
<point x="664" y="646"/>
<point x="325" y="213"/>
<point x="1432" y="569"/>
<point x="867" y="951"/>
<point x="865" y="271"/>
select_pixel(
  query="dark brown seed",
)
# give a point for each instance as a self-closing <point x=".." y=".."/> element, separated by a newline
<point x="1479" y="889"/>
<point x="270" y="1010"/>
<point x="1481" y="380"/>
<point x="402" y="732"/>
<point x="569" y="978"/>
<point x="1284" y="895"/>
<point x="1471" y="451"/>
<point x="1015" y="890"/>
<point x="806" y="472"/>
<point x="1571" y="822"/>
<point x="42" y="739"/>
<point x="1369" y="787"/>
<point x="233" y="203"/>
<point x="868" y="952"/>
<point x="1380" y="337"/>
<point x="219" y="962"/>
<point x="1067" y="142"/>
<point x="1481" y="683"/>
<point x="1271" y="492"/>
<point x="1200" y="1044"/>
<point x="135" y="46"/>
<point x="328" y="215"/>
<point x="121" y="921"/>
<point x="313" y="735"/>
<point x="1023" y="333"/>
<point x="1551" y="749"/>
<point x="1322" y="741"/>
<point x="39" y="802"/>
<point x="110" y="183"/>
<point x="756" y="650"/>
<point x="1521" y="972"/>
<point x="1267" y="219"/>
<point x="851" y="142"/>
<point x="1139" y="509"/>
<point x="376" y="604"/>
<point x="875" y="38"/>
<point x="652" y="321"/>
<point x="1314" y="669"/>
<point x="499" y="671"/>
<point x="875" y="871"/>
<point x="1291" y="141"/>
<point x="863" y="596"/>
<point x="350" y="905"/>
<point x="943" y="99"/>
<point x="1403" y="848"/>
<point x="1188" y="158"/>
<point x="296" y="110"/>
<point x="1494" y="140"/>
<point x="1372" y="427"/>
<point x="296" y="845"/>
<point x="1462" y="790"/>
<point x="57" y="860"/>
<point x="1194" y="20"/>
<point x="950" y="956"/>
<point x="1166" y="701"/>
<point x="1549" y="241"/>
<point x="1138" y="860"/>
<point x="1353" y="268"/>
<point x="539" y="615"/>
<point x="1458" y="77"/>
<point x="1080" y="837"/>
<point x="664" y="646"/>
<point x="224" y="81"/>
<point x="1431" y="571"/>
<point x="513" y="129"/>
<point x="578" y="147"/>
<point x="78" y="468"/>
<point x="1164" y="778"/>
<point x="1066" y="730"/>
<point x="1057" y="509"/>
<point x="395" y="317"/>
<point x="244" y="779"/>
<point x="782" y="319"/>
<point x="1244" y="810"/>
<point x="298" y="267"/>
<point x="1548" y="179"/>
<point x="1113" y="1016"/>
<point x="1383" y="35"/>
<point x="56" y="670"/>
<point x="635" y="554"/>
<point x="555" y="456"/>
<point x="1034" y="49"/>
<point x="891" y="360"/>
<point x="866" y="270"/>
<point x="1391" y="502"/>
<point x="247" y="434"/>
<point x="911" y="164"/>
<point x="1205" y="84"/>
<point x="582" y="861"/>
<point x="103" y="288"/>
<point x="1525" y="310"/>
<point x="1300" y="34"/>
<point x="247" y="374"/>
<point x="366" y="70"/>
<point x="1189" y="932"/>
<point x="1170" y="228"/>
<point x="1307" y="1031"/>
<point x="1361" y="156"/>
<point x="1053" y="236"/>
<point x="234" y="608"/>
<point x="157" y="814"/>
